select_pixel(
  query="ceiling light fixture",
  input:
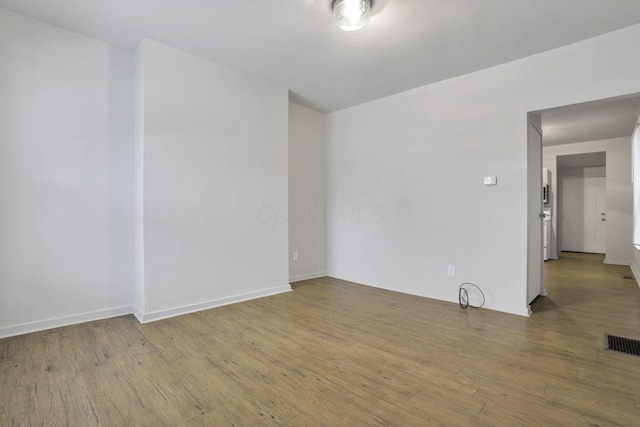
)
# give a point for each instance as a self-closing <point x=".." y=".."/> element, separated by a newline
<point x="351" y="15"/>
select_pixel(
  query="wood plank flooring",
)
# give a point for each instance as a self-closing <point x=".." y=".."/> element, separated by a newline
<point x="332" y="353"/>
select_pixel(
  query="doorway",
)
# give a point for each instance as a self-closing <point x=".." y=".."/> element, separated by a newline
<point x="602" y="129"/>
<point x="535" y="279"/>
<point x="582" y="202"/>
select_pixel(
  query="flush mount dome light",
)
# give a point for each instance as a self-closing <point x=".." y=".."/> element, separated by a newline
<point x="351" y="15"/>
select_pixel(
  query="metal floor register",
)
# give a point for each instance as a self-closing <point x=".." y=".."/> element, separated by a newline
<point x="622" y="345"/>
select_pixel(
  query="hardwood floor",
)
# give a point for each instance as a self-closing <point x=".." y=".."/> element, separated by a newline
<point x="334" y="353"/>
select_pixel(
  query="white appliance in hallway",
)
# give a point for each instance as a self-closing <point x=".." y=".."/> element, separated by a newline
<point x="546" y="182"/>
<point x="546" y="214"/>
<point x="546" y="233"/>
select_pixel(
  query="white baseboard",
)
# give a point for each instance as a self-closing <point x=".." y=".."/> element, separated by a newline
<point x="307" y="276"/>
<point x="138" y="313"/>
<point x="614" y="262"/>
<point x="43" y="325"/>
<point x="495" y="306"/>
<point x="518" y="311"/>
<point x="192" y="308"/>
<point x="635" y="272"/>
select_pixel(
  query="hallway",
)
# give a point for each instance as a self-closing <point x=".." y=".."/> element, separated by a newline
<point x="588" y="299"/>
<point x="594" y="297"/>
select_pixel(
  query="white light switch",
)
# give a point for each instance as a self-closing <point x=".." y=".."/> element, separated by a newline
<point x="490" y="180"/>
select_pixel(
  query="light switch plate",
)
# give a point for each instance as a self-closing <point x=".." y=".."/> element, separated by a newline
<point x="490" y="180"/>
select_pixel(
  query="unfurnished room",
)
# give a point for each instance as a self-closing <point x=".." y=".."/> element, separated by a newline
<point x="319" y="213"/>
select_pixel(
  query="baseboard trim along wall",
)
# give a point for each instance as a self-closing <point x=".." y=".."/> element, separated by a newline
<point x="43" y="325"/>
<point x="74" y="319"/>
<point x="192" y="308"/>
<point x="636" y="274"/>
<point x="453" y="298"/>
<point x="614" y="262"/>
<point x="308" y="276"/>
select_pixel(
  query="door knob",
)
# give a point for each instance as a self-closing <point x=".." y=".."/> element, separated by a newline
<point x="603" y="219"/>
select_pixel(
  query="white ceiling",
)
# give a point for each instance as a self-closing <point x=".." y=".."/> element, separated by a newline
<point x="591" y="121"/>
<point x="294" y="43"/>
<point x="583" y="160"/>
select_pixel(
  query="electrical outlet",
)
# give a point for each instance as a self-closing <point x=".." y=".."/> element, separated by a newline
<point x="295" y="255"/>
<point x="452" y="270"/>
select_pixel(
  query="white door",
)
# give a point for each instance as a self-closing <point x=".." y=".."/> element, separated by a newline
<point x="534" y="214"/>
<point x="584" y="209"/>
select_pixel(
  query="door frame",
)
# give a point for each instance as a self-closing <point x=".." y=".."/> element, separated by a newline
<point x="561" y="216"/>
<point x="535" y="260"/>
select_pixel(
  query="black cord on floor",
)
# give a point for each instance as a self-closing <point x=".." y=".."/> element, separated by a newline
<point x="463" y="296"/>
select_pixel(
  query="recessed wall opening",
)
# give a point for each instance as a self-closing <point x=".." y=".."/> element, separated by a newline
<point x="590" y="144"/>
<point x="586" y="157"/>
<point x="581" y="202"/>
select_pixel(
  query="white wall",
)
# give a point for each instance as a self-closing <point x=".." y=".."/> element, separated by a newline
<point x="419" y="158"/>
<point x="619" y="248"/>
<point x="211" y="154"/>
<point x="66" y="168"/>
<point x="404" y="177"/>
<point x="214" y="163"/>
<point x="306" y="213"/>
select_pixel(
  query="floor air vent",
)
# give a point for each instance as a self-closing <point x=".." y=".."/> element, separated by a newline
<point x="627" y="277"/>
<point x="622" y="345"/>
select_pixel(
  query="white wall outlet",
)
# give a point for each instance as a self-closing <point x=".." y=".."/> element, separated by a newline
<point x="295" y="255"/>
<point x="452" y="270"/>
